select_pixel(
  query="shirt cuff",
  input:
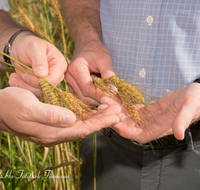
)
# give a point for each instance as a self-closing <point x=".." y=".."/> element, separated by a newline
<point x="4" y="5"/>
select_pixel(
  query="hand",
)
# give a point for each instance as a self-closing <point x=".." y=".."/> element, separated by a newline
<point x="91" y="59"/>
<point x="44" y="58"/>
<point x="22" y="114"/>
<point x="171" y="114"/>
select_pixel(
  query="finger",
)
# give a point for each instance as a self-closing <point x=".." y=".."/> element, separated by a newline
<point x="87" y="100"/>
<point x="75" y="88"/>
<point x="16" y="81"/>
<point x="37" y="52"/>
<point x="57" y="65"/>
<point x="112" y="109"/>
<point x="82" y="129"/>
<point x="30" y="79"/>
<point x="107" y="71"/>
<point x="84" y="82"/>
<point x="184" y="119"/>
<point x="54" y="77"/>
<point x="102" y="119"/>
<point x="104" y="64"/>
<point x="102" y="106"/>
<point x="52" y="115"/>
<point x="124" y="115"/>
<point x="125" y="131"/>
<point x="109" y="100"/>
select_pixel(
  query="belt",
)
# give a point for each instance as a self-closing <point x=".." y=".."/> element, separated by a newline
<point x="170" y="140"/>
<point x="167" y="141"/>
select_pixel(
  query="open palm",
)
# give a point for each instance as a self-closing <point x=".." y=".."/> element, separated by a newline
<point x="171" y="114"/>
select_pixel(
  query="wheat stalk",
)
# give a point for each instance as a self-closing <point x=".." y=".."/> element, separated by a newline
<point x="49" y="94"/>
<point x="59" y="15"/>
<point x="29" y="24"/>
<point x="128" y="95"/>
<point x="56" y="96"/>
<point x="71" y="102"/>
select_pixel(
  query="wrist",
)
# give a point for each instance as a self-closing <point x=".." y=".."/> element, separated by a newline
<point x="9" y="44"/>
<point x="86" y="33"/>
<point x="18" y="41"/>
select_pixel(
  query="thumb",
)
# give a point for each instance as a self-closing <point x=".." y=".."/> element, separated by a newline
<point x="183" y="120"/>
<point x="106" y="67"/>
<point x="39" y="59"/>
<point x="107" y="71"/>
<point x="53" y="115"/>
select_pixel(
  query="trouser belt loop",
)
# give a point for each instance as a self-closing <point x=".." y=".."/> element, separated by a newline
<point x="189" y="140"/>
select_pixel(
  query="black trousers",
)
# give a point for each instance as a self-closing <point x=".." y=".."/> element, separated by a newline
<point x="124" y="165"/>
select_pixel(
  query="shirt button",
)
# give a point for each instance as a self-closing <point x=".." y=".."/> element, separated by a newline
<point x="142" y="73"/>
<point x="149" y="20"/>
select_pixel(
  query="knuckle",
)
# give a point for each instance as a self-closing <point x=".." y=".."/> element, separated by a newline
<point x="36" y="44"/>
<point x="50" y="115"/>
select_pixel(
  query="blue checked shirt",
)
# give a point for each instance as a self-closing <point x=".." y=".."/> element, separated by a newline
<point x="153" y="42"/>
<point x="4" y="5"/>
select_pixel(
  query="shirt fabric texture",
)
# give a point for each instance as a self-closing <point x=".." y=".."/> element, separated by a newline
<point x="168" y="49"/>
<point x="4" y="5"/>
<point x="156" y="43"/>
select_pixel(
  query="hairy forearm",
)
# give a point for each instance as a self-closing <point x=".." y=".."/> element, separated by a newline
<point x="7" y="28"/>
<point x="82" y="19"/>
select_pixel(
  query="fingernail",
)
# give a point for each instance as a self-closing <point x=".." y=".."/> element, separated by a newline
<point x="13" y="84"/>
<point x="25" y="78"/>
<point x="67" y="119"/>
<point x="41" y="70"/>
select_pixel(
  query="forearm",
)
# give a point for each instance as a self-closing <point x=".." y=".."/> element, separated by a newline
<point x="82" y="19"/>
<point x="7" y="28"/>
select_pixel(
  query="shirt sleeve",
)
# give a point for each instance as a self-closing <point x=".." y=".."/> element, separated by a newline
<point x="4" y="5"/>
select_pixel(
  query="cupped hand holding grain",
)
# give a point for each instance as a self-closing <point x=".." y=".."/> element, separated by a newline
<point x="43" y="57"/>
<point x="22" y="114"/>
<point x="90" y="60"/>
<point x="171" y="114"/>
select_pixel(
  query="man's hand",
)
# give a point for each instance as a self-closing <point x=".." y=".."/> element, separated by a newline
<point x="44" y="58"/>
<point x="22" y="114"/>
<point x="91" y="59"/>
<point x="171" y="114"/>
